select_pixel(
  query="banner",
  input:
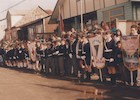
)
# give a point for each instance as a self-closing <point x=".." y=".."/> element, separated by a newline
<point x="32" y="51"/>
<point x="96" y="45"/>
<point x="130" y="45"/>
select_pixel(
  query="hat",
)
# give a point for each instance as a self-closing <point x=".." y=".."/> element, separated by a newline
<point x="48" y="43"/>
<point x="107" y="31"/>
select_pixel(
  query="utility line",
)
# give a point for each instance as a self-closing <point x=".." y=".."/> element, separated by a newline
<point x="2" y="19"/>
<point x="13" y="6"/>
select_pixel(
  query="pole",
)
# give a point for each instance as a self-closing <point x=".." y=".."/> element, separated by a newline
<point x="101" y="78"/>
<point x="131" y="73"/>
<point x="59" y="20"/>
<point x="81" y="15"/>
<point x="59" y="12"/>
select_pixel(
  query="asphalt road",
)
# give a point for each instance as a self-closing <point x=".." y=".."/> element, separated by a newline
<point x="23" y="85"/>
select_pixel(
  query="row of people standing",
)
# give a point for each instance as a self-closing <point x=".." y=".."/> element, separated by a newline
<point x="61" y="56"/>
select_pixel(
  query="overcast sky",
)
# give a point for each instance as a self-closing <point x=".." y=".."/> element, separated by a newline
<point x="25" y="5"/>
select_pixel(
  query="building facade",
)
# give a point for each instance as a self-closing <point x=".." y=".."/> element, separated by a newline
<point x="94" y="11"/>
<point x="35" y="24"/>
<point x="3" y="26"/>
<point x="12" y="18"/>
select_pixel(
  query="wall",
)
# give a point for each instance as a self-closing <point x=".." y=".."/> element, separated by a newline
<point x="125" y="25"/>
<point x="127" y="11"/>
<point x="66" y="9"/>
<point x="15" y="19"/>
<point x="136" y="10"/>
<point x="3" y="26"/>
<point x="71" y="8"/>
<point x="8" y="18"/>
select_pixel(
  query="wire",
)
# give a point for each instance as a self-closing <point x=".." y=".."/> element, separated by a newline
<point x="13" y="6"/>
<point x="2" y="19"/>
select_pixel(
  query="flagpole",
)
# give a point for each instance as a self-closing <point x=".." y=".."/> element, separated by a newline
<point x="59" y="13"/>
<point x="81" y="15"/>
<point x="60" y="19"/>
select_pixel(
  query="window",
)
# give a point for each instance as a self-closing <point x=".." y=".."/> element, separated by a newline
<point x="138" y="13"/>
<point x="113" y="13"/>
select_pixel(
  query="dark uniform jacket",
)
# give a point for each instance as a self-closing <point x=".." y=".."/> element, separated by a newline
<point x="109" y="52"/>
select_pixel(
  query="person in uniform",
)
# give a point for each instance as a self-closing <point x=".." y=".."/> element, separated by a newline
<point x="23" y="54"/>
<point x="48" y="57"/>
<point x="61" y="49"/>
<point x="87" y="58"/>
<point x="7" y="56"/>
<point x="20" y="56"/>
<point x="120" y="68"/>
<point x="14" y="57"/>
<point x="2" y="52"/>
<point x="72" y="55"/>
<point x="26" y="55"/>
<point x="79" y="55"/>
<point x="55" y="51"/>
<point x="38" y="57"/>
<point x="11" y="56"/>
<point x="67" y="59"/>
<point x="109" y="55"/>
<point x="134" y="31"/>
<point x="42" y="58"/>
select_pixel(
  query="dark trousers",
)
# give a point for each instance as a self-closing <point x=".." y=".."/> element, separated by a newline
<point x="67" y="65"/>
<point x="55" y="66"/>
<point x="48" y="64"/>
<point x="122" y="72"/>
<point x="61" y="65"/>
<point x="42" y="63"/>
<point x="75" y="65"/>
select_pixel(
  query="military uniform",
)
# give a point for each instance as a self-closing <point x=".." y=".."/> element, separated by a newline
<point x="67" y="59"/>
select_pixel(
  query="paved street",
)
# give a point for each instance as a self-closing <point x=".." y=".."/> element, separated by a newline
<point x="22" y="85"/>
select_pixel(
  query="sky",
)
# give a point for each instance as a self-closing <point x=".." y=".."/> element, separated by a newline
<point x="25" y="5"/>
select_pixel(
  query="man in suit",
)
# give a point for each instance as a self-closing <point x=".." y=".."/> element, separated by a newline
<point x="67" y="59"/>
<point x="73" y="44"/>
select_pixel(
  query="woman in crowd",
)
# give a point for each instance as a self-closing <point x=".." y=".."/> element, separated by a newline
<point x="109" y="54"/>
<point x="117" y="36"/>
<point x="104" y="26"/>
<point x="120" y="68"/>
<point x="87" y="58"/>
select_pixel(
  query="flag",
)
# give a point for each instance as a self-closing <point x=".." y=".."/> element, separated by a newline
<point x="61" y="23"/>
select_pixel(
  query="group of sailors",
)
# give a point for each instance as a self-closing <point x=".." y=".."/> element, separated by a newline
<point x="62" y="56"/>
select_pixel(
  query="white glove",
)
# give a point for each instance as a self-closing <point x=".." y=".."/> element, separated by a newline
<point x="14" y="57"/>
<point x="111" y="60"/>
<point x="70" y="55"/>
<point x="92" y="57"/>
<point x="83" y="57"/>
<point x="83" y="66"/>
<point x="77" y="56"/>
<point x="56" y="52"/>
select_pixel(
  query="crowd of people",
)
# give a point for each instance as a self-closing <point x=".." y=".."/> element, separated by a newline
<point x="62" y="56"/>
